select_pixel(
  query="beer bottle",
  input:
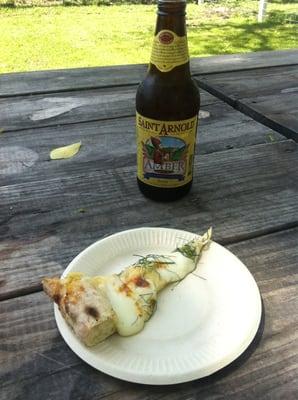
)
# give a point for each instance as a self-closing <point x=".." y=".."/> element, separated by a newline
<point x="167" y="106"/>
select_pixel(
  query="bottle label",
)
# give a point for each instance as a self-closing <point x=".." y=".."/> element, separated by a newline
<point x="165" y="151"/>
<point x="169" y="50"/>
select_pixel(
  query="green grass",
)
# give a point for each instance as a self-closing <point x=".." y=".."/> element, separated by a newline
<point x="39" y="38"/>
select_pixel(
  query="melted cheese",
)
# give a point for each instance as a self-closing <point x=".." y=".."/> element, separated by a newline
<point x="178" y="270"/>
<point x="133" y="304"/>
<point x="130" y="318"/>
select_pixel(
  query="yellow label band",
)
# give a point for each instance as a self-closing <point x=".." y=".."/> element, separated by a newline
<point x="165" y="151"/>
<point x="169" y="50"/>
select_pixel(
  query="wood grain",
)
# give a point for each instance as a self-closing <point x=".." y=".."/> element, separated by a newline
<point x="24" y="83"/>
<point x="36" y="361"/>
<point x="269" y="96"/>
<point x="71" y="107"/>
<point x="256" y="82"/>
<point x="278" y="112"/>
<point x="242" y="192"/>
<point x="112" y="141"/>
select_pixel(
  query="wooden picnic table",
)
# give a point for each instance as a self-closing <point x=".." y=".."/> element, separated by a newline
<point x="245" y="186"/>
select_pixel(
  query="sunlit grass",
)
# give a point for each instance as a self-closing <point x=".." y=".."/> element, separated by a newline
<point x="63" y="37"/>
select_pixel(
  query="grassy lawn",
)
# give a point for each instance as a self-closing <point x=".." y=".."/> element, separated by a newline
<point x="62" y="37"/>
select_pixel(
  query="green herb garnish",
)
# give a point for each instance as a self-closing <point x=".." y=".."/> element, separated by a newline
<point x="188" y="250"/>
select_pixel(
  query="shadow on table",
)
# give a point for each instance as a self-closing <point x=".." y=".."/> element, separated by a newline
<point x="242" y="359"/>
<point x="59" y="371"/>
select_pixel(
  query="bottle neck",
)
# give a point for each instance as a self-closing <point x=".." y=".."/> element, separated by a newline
<point x="171" y="17"/>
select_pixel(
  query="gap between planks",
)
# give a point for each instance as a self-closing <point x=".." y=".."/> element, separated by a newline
<point x="111" y="86"/>
<point x="198" y="74"/>
<point x="245" y="109"/>
<point x="200" y="66"/>
<point x="66" y="90"/>
<point x="89" y="120"/>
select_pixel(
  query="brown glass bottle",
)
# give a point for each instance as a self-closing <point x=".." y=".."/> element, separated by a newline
<point x="167" y="94"/>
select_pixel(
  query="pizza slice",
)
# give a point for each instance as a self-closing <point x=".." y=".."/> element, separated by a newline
<point x="96" y="307"/>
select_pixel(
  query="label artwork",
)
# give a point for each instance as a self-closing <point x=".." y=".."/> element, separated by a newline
<point x="165" y="151"/>
<point x="169" y="50"/>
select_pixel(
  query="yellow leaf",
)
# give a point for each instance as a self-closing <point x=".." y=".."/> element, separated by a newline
<point x="65" y="151"/>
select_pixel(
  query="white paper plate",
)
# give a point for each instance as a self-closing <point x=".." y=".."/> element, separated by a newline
<point x="200" y="325"/>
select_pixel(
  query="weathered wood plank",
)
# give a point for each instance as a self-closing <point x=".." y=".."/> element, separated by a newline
<point x="89" y="78"/>
<point x="43" y="224"/>
<point x="71" y="107"/>
<point x="269" y="96"/>
<point x="36" y="363"/>
<point x="61" y="80"/>
<point x="24" y="155"/>
<point x="68" y="107"/>
<point x="243" y="61"/>
<point x="257" y="82"/>
<point x="279" y="112"/>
